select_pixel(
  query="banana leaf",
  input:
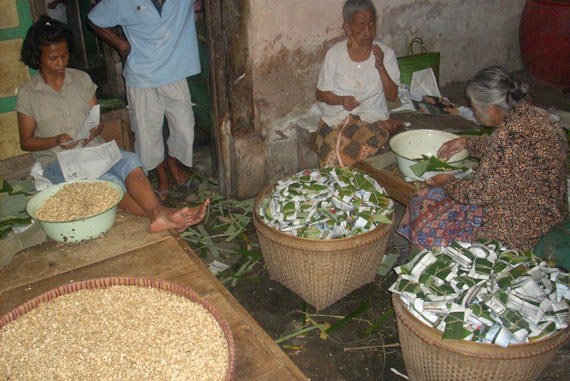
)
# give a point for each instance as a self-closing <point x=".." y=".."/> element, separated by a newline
<point x="13" y="199"/>
<point x="433" y="164"/>
<point x="363" y="307"/>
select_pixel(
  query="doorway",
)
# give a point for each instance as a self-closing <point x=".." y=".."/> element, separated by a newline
<point x="222" y="109"/>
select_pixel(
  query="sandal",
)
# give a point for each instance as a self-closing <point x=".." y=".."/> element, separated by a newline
<point x="188" y="186"/>
<point x="162" y="196"/>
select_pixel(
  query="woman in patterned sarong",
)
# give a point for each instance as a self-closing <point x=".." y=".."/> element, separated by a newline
<point x="357" y="78"/>
<point x="518" y="191"/>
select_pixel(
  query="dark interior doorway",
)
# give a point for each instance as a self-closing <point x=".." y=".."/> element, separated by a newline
<point x="104" y="66"/>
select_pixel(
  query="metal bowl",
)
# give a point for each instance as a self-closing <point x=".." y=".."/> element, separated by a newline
<point x="77" y="230"/>
<point x="410" y="146"/>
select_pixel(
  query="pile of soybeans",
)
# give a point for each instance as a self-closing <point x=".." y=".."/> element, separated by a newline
<point x="117" y="333"/>
<point x="76" y="201"/>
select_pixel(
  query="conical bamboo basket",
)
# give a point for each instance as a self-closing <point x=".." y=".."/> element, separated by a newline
<point x="428" y="357"/>
<point x="320" y="271"/>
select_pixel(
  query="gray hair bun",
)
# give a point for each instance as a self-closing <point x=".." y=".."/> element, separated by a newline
<point x="495" y="86"/>
<point x="517" y="93"/>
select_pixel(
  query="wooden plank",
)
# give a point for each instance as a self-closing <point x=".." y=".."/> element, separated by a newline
<point x="397" y="188"/>
<point x="52" y="258"/>
<point x="256" y="360"/>
<point x="448" y="123"/>
<point x="258" y="357"/>
<point x="142" y="262"/>
<point x="292" y="371"/>
<point x="17" y="167"/>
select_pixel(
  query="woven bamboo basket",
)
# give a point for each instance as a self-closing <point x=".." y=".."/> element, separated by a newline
<point x="102" y="283"/>
<point x="428" y="357"/>
<point x="320" y="271"/>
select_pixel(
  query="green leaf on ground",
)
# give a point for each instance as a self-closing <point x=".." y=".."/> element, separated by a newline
<point x="378" y="322"/>
<point x="363" y="307"/>
<point x="295" y="333"/>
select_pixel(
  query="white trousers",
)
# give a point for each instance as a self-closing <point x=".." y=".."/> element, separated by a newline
<point x="148" y="107"/>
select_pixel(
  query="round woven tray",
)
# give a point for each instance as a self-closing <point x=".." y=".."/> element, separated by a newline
<point x="428" y="357"/>
<point x="320" y="271"/>
<point x="102" y="283"/>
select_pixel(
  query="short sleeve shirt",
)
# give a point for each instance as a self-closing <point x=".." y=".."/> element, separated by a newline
<point x="55" y="112"/>
<point x="342" y="76"/>
<point x="164" y="45"/>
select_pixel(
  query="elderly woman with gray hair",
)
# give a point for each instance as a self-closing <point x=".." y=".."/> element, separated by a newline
<point x="357" y="77"/>
<point x="519" y="190"/>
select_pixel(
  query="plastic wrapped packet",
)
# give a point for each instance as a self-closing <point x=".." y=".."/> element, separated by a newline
<point x="326" y="204"/>
<point x="485" y="292"/>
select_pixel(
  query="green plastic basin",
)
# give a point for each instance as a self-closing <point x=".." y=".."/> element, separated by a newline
<point x="77" y="230"/>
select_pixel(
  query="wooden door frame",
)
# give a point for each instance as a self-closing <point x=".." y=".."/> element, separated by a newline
<point x="231" y="84"/>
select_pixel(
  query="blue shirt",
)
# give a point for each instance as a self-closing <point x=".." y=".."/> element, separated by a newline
<point x="164" y="46"/>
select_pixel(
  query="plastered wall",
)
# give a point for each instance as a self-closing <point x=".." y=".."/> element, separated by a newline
<point x="288" y="41"/>
<point x="13" y="74"/>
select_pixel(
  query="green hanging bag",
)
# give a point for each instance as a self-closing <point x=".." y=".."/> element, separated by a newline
<point x="415" y="62"/>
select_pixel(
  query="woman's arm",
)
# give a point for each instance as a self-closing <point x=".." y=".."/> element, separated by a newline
<point x="477" y="146"/>
<point x="390" y="88"/>
<point x="348" y="102"/>
<point x="494" y="169"/>
<point x="28" y="142"/>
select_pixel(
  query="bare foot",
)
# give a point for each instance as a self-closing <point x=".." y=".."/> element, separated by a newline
<point x="196" y="214"/>
<point x="179" y="174"/>
<point x="177" y="219"/>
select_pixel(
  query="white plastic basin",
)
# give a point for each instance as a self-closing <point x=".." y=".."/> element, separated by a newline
<point x="410" y="146"/>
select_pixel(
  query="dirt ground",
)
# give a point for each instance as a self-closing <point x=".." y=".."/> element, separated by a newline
<point x="274" y="308"/>
<point x="348" y="353"/>
<point x="279" y="311"/>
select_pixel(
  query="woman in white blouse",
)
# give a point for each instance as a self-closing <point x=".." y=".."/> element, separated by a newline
<point x="358" y="74"/>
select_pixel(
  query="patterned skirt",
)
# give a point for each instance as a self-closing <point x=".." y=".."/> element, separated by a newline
<point x="351" y="141"/>
<point x="432" y="219"/>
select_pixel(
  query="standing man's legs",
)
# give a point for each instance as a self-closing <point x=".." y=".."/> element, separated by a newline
<point x="147" y="119"/>
<point x="178" y="110"/>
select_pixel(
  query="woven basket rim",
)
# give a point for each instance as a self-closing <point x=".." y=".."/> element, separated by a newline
<point x="143" y="282"/>
<point x="363" y="236"/>
<point x="475" y="349"/>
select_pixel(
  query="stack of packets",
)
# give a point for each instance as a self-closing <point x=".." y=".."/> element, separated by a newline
<point x="327" y="203"/>
<point x="485" y="292"/>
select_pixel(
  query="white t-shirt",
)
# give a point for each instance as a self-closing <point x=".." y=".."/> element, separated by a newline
<point x="342" y="76"/>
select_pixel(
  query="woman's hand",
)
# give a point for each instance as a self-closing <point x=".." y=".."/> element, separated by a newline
<point x="450" y="148"/>
<point x="392" y="125"/>
<point x="93" y="134"/>
<point x="379" y="57"/>
<point x="439" y="180"/>
<point x="349" y="103"/>
<point x="65" y="141"/>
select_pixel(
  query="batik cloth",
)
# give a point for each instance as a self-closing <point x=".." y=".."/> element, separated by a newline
<point x="432" y="219"/>
<point x="349" y="142"/>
